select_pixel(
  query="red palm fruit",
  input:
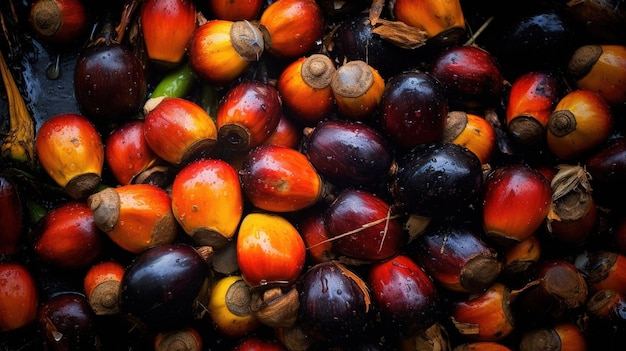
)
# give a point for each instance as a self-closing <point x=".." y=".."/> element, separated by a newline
<point x="555" y="288"/>
<point x="357" y="89"/>
<point x="167" y="26"/>
<point x="312" y="227"/>
<point x="102" y="285"/>
<point x="304" y="87"/>
<point x="287" y="133"/>
<point x="455" y="257"/>
<point x="600" y="68"/>
<point x="516" y="202"/>
<point x="486" y="316"/>
<point x="135" y="216"/>
<point x="127" y="153"/>
<point x="67" y="323"/>
<point x="270" y="250"/>
<point x="532" y="98"/>
<point x="256" y="343"/>
<point x="207" y="201"/>
<point x="70" y="150"/>
<point x="443" y="21"/>
<point x="362" y="226"/>
<point x="220" y="51"/>
<point x="235" y="10"/>
<point x="20" y="297"/>
<point x="472" y="132"/>
<point x="68" y="236"/>
<point x="519" y="257"/>
<point x="280" y="179"/>
<point x="404" y="293"/>
<point x="179" y="131"/>
<point x="562" y="336"/>
<point x="471" y="77"/>
<point x="573" y="213"/>
<point x="348" y="153"/>
<point x="188" y="338"/>
<point x="58" y="22"/>
<point x="10" y="216"/>
<point x="287" y="35"/>
<point x="414" y="108"/>
<point x="581" y="121"/>
<point x="247" y="115"/>
<point x="606" y="270"/>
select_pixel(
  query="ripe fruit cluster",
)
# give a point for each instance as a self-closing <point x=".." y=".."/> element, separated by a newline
<point x="299" y="175"/>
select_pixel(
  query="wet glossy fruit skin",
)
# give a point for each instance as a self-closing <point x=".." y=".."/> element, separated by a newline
<point x="290" y="37"/>
<point x="127" y="153"/>
<point x="601" y="68"/>
<point x="413" y="109"/>
<point x="10" y="215"/>
<point x="470" y="75"/>
<point x="477" y="135"/>
<point x="516" y="201"/>
<point x="247" y="115"/>
<point x="531" y="100"/>
<point x="229" y="307"/>
<point x="109" y="82"/>
<point x="68" y="323"/>
<point x="20" y="296"/>
<point x="68" y="236"/>
<point x="456" y="257"/>
<point x="361" y="226"/>
<point x="280" y="179"/>
<point x="206" y="194"/>
<point x="254" y="343"/>
<point x="68" y="145"/>
<point x="327" y="314"/>
<point x="312" y="227"/>
<point x="160" y="285"/>
<point x="101" y="285"/>
<point x="71" y="24"/>
<point x="607" y="167"/>
<point x="270" y="250"/>
<point x="438" y="179"/>
<point x="433" y="16"/>
<point x="195" y="131"/>
<point x="581" y="121"/>
<point x="404" y="293"/>
<point x="348" y="153"/>
<point x="236" y="10"/>
<point x="287" y="133"/>
<point x="167" y="26"/>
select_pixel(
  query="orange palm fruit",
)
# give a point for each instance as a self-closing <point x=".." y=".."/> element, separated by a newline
<point x="220" y="51"/>
<point x="102" y="285"/>
<point x="207" y="201"/>
<point x="135" y="216"/>
<point x="70" y="150"/>
<point x="270" y="250"/>
<point x="531" y="100"/>
<point x="472" y="132"/>
<point x="20" y="298"/>
<point x="167" y="26"/>
<point x="280" y="179"/>
<point x="357" y="88"/>
<point x="179" y="130"/>
<point x="288" y="36"/>
<point x="600" y="68"/>
<point x="304" y="87"/>
<point x="580" y="122"/>
<point x="440" y="19"/>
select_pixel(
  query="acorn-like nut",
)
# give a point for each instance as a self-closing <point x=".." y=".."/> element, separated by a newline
<point x="275" y="307"/>
<point x="102" y="286"/>
<point x="229" y="307"/>
<point x="135" y="216"/>
<point x="304" y="87"/>
<point x="219" y="51"/>
<point x="357" y="88"/>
